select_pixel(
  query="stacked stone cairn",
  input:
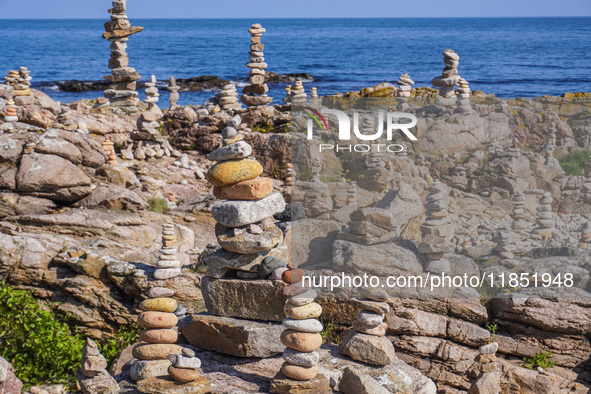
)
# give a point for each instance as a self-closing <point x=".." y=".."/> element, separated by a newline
<point x="93" y="376"/>
<point x="109" y="148"/>
<point x="122" y="91"/>
<point x="464" y="94"/>
<point x="436" y="230"/>
<point x="545" y="224"/>
<point x="518" y="214"/>
<point x="352" y="194"/>
<point x="149" y="141"/>
<point x="11" y="114"/>
<point x="228" y="97"/>
<point x="299" y="372"/>
<point x="504" y="244"/>
<point x="550" y="147"/>
<point x="12" y="78"/>
<point x="298" y="94"/>
<point x="449" y="78"/>
<point x="250" y="258"/>
<point x="314" y="93"/>
<point x="289" y="175"/>
<point x="173" y="88"/>
<point x="255" y="94"/>
<point x="168" y="265"/>
<point x="21" y="88"/>
<point x="184" y="367"/>
<point x="489" y="380"/>
<point x="287" y="99"/>
<point x="404" y="83"/>
<point x="367" y="341"/>
<point x="585" y="235"/>
<point x="459" y="179"/>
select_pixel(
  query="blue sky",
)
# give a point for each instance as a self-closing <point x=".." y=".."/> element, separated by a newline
<point x="33" y="9"/>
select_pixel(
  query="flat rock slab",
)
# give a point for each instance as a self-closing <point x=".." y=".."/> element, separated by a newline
<point x="245" y="299"/>
<point x="236" y="337"/>
<point x="241" y="212"/>
<point x="367" y="348"/>
<point x="283" y="385"/>
<point x="169" y="386"/>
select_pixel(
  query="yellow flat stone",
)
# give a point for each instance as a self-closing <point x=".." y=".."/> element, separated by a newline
<point x="308" y="311"/>
<point x="159" y="305"/>
<point x="234" y="171"/>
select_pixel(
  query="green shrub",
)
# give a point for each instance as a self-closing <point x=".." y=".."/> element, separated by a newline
<point x="539" y="360"/>
<point x="158" y="205"/>
<point x="126" y="335"/>
<point x="492" y="328"/>
<point x="42" y="349"/>
<point x="574" y="162"/>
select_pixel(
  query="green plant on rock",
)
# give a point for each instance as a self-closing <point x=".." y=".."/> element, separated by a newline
<point x="574" y="162"/>
<point x="158" y="205"/>
<point x="541" y="359"/>
<point x="126" y="336"/>
<point x="42" y="349"/>
<point x="263" y="127"/>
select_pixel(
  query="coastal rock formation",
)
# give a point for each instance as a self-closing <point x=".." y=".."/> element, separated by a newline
<point x="122" y="91"/>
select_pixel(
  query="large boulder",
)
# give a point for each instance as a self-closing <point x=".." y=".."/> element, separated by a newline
<point x="115" y="198"/>
<point x="53" y="177"/>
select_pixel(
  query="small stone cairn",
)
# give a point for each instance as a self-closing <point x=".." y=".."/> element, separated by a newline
<point x="489" y="380"/>
<point x="504" y="244"/>
<point x="298" y="94"/>
<point x="585" y="235"/>
<point x="255" y="94"/>
<point x="173" y="88"/>
<point x="545" y="224"/>
<point x="122" y="91"/>
<point x="184" y="367"/>
<point x="109" y="148"/>
<point x="11" y="114"/>
<point x="168" y="265"/>
<point x="299" y="372"/>
<point x="449" y="78"/>
<point x="459" y="179"/>
<point x="21" y="88"/>
<point x="287" y="99"/>
<point x="518" y="214"/>
<point x="314" y="93"/>
<point x="93" y="376"/>
<point x="436" y="229"/>
<point x="228" y="98"/>
<point x="464" y="94"/>
<point x="404" y="83"/>
<point x="149" y="141"/>
<point x="367" y="341"/>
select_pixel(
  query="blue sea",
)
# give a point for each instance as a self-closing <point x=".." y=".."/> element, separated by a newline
<point x="510" y="57"/>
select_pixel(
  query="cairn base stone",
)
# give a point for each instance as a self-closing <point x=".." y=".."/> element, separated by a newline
<point x="169" y="386"/>
<point x="235" y="337"/>
<point x="281" y="384"/>
<point x="368" y="349"/>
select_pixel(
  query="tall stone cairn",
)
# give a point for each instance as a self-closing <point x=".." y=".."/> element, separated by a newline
<point x="122" y="91"/>
<point x="299" y="372"/>
<point x="298" y="93"/>
<point x="109" y="148"/>
<point x="11" y="114"/>
<point x="255" y="94"/>
<point x="287" y="99"/>
<point x="464" y="94"/>
<point x="449" y="78"/>
<point x="173" y="88"/>
<point x="436" y="231"/>
<point x="518" y="214"/>
<point x="147" y="133"/>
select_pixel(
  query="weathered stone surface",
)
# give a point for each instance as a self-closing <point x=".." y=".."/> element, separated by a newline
<point x="308" y="311"/>
<point x="93" y="376"/>
<point x="281" y="384"/>
<point x="233" y="171"/>
<point x="301" y="341"/>
<point x="115" y="198"/>
<point x="256" y="300"/>
<point x="306" y="359"/>
<point x="306" y="325"/>
<point x="155" y="351"/>
<point x="159" y="335"/>
<point x="237" y="150"/>
<point x="487" y="383"/>
<point x="185" y="361"/>
<point x="354" y="382"/>
<point x="244" y="242"/>
<point x="240" y="213"/>
<point x="271" y="265"/>
<point x="9" y="383"/>
<point x="145" y="369"/>
<point x="153" y="319"/>
<point x="52" y="177"/>
<point x="222" y="263"/>
<point x="252" y="189"/>
<point x="236" y="337"/>
<point x="183" y="375"/>
<point x="299" y="372"/>
<point x="367" y="348"/>
<point x="169" y="386"/>
<point x="159" y="305"/>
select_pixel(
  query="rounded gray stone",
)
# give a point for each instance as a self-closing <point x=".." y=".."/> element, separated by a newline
<point x="299" y="358"/>
<point x="229" y="132"/>
<point x="307" y="325"/>
<point x="370" y="318"/>
<point x="160" y="292"/>
<point x="237" y="150"/>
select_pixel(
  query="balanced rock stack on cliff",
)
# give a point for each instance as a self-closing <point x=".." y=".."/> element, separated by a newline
<point x="122" y="91"/>
<point x="449" y="77"/>
<point x="238" y="292"/>
<point x="255" y="94"/>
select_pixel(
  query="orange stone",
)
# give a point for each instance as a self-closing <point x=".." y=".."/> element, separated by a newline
<point x="293" y="276"/>
<point x="252" y="189"/>
<point x="159" y="335"/>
